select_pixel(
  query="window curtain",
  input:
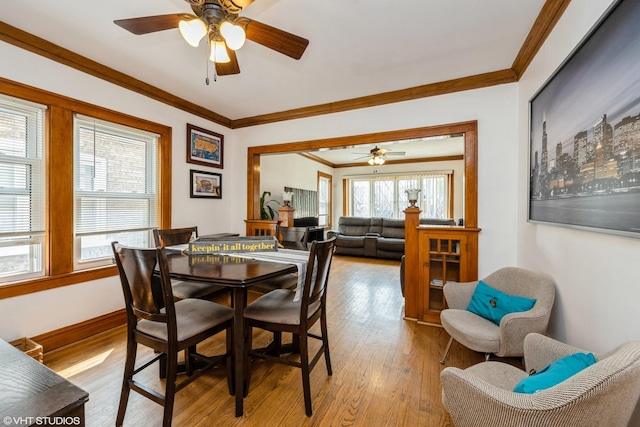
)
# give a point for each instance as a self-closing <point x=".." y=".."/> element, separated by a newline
<point x="305" y="202"/>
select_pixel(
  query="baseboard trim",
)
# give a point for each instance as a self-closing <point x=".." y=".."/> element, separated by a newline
<point x="72" y="333"/>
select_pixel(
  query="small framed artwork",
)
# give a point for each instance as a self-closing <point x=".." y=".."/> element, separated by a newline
<point x="206" y="185"/>
<point x="204" y="147"/>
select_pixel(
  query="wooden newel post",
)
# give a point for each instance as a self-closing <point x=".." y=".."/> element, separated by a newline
<point x="411" y="262"/>
<point x="285" y="215"/>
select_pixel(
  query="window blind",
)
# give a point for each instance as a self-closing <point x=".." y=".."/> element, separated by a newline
<point x="22" y="188"/>
<point x="116" y="186"/>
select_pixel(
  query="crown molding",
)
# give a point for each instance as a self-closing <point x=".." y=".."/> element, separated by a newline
<point x="549" y="15"/>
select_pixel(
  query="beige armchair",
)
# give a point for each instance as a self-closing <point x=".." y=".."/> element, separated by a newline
<point x="484" y="336"/>
<point x="604" y="394"/>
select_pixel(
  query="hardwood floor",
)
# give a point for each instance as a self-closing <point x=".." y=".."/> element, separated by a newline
<point x="385" y="369"/>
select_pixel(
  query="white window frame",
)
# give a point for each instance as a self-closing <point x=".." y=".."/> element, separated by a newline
<point x="32" y="235"/>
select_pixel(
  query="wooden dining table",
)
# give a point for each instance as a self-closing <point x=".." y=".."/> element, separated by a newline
<point x="238" y="274"/>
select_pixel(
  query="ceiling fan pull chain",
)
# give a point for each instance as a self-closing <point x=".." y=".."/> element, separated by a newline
<point x="207" y="65"/>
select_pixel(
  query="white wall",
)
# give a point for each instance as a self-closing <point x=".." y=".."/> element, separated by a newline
<point x="289" y="170"/>
<point x="596" y="274"/>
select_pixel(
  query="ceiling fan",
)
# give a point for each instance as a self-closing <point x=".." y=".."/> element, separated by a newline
<point x="226" y="31"/>
<point x="377" y="156"/>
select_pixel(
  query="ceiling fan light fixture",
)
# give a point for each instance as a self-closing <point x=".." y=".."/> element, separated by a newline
<point x="193" y="31"/>
<point x="376" y="160"/>
<point x="219" y="53"/>
<point x="233" y="34"/>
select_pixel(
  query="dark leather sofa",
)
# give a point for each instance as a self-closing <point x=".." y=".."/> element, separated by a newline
<point x="374" y="237"/>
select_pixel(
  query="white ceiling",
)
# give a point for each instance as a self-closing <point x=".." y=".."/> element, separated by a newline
<point x="357" y="47"/>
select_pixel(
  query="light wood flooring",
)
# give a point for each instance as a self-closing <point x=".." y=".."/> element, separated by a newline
<point x="385" y="369"/>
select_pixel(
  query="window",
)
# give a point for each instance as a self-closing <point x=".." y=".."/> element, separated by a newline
<point x="22" y="190"/>
<point x="116" y="189"/>
<point x="324" y="199"/>
<point x="385" y="196"/>
<point x="62" y="203"/>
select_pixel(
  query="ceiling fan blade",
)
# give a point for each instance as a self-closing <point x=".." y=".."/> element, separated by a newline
<point x="231" y="67"/>
<point x="394" y="153"/>
<point x="151" y="24"/>
<point x="278" y="40"/>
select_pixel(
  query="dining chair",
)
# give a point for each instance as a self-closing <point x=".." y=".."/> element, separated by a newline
<point x="293" y="237"/>
<point x="284" y="310"/>
<point x="156" y="320"/>
<point x="185" y="289"/>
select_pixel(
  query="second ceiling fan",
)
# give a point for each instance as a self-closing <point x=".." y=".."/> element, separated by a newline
<point x="225" y="30"/>
<point x="377" y="155"/>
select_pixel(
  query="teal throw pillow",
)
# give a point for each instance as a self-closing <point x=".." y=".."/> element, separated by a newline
<point x="555" y="373"/>
<point x="493" y="304"/>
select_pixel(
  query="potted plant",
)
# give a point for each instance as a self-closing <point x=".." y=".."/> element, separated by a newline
<point x="266" y="211"/>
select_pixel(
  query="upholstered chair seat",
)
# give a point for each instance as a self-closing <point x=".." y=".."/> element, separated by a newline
<point x="193" y="316"/>
<point x="278" y="306"/>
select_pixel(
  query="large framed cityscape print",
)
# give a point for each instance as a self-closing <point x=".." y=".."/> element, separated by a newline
<point x="584" y="127"/>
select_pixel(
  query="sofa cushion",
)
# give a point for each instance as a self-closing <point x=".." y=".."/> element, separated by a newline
<point x="375" y="226"/>
<point x="389" y="244"/>
<point x="350" y="241"/>
<point x="393" y="228"/>
<point x="354" y="226"/>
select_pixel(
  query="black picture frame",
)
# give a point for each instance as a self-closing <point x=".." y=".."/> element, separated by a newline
<point x="584" y="132"/>
<point x="205" y="185"/>
<point x="204" y="147"/>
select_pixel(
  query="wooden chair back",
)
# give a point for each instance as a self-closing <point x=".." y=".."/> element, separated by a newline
<point x="314" y="293"/>
<point x="146" y="293"/>
<point x="294" y="237"/>
<point x="174" y="236"/>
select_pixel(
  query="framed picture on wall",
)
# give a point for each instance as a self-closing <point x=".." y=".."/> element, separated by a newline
<point x="584" y="128"/>
<point x="204" y="147"/>
<point x="205" y="185"/>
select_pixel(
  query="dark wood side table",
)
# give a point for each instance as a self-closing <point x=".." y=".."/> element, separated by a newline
<point x="32" y="394"/>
